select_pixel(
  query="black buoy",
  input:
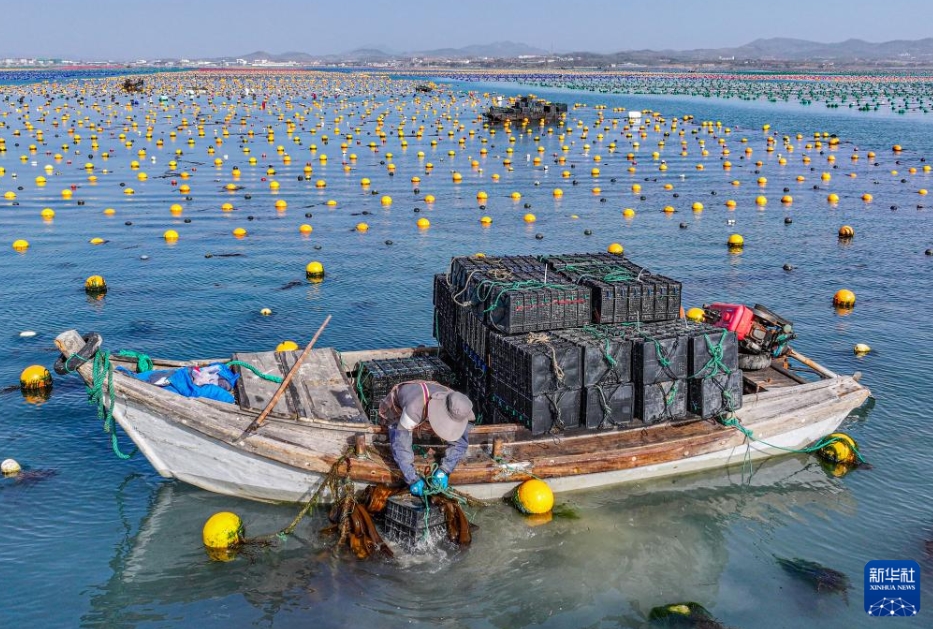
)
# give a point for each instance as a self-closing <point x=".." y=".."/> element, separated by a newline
<point x="187" y="220"/>
<point x="128" y="223"/>
<point x="308" y="215"/>
<point x="247" y="196"/>
<point x="482" y="207"/>
<point x="683" y="226"/>
<point x="367" y="212"/>
<point x="602" y="199"/>
<point x="539" y="236"/>
<point x="589" y="232"/>
<point x="389" y="242"/>
<point x="208" y="255"/>
<point x="788" y="220"/>
<point x="317" y="247"/>
<point x="788" y="267"/>
<point x="249" y="218"/>
<point x="528" y="206"/>
<point x="929" y="252"/>
<point x="893" y="207"/>
<point x="416" y="210"/>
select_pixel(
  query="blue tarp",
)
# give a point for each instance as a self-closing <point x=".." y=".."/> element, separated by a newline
<point x="179" y="381"/>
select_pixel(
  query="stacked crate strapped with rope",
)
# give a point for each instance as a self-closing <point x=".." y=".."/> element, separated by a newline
<point x="375" y="378"/>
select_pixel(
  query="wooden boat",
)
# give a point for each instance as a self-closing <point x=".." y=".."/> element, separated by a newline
<point x="320" y="419"/>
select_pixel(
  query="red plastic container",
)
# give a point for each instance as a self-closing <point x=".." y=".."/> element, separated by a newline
<point x="734" y="317"/>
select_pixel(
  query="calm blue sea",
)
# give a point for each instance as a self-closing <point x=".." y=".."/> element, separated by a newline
<point x="94" y="541"/>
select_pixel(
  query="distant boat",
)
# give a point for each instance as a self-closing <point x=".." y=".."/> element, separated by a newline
<point x="320" y="419"/>
<point x="526" y="108"/>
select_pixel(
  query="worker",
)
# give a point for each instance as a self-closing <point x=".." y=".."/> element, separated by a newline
<point x="423" y="405"/>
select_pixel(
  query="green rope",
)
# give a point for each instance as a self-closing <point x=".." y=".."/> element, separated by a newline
<point x="103" y="372"/>
<point x="265" y="376"/>
<point x="143" y="362"/>
<point x="733" y="422"/>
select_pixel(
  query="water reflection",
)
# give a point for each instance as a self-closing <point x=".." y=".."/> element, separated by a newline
<point x="633" y="548"/>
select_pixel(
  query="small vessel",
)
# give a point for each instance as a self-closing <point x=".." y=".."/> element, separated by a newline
<point x="320" y="419"/>
<point x="526" y="108"/>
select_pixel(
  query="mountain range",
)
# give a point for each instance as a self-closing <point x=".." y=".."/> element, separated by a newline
<point x="771" y="49"/>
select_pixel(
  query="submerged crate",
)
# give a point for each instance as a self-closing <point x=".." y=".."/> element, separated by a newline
<point x="609" y="405"/>
<point x="716" y="395"/>
<point x="661" y="401"/>
<point x="375" y="378"/>
<point x="536" y="364"/>
<point x="548" y="412"/>
<point x="409" y="522"/>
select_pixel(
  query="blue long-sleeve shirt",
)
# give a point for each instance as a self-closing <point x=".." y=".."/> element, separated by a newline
<point x="401" y="442"/>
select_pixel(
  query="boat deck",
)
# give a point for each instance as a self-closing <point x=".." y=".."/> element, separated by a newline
<point x="773" y="377"/>
<point x="319" y="389"/>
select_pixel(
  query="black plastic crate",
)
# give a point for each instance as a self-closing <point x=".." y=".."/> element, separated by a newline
<point x="659" y="355"/>
<point x="615" y="303"/>
<point x="475" y="334"/>
<point x="409" y="522"/>
<point x="447" y="315"/>
<point x="702" y="341"/>
<point x="527" y="362"/>
<point x="661" y="401"/>
<point x="710" y="397"/>
<point x="609" y="405"/>
<point x="606" y="356"/>
<point x="580" y="261"/>
<point x="375" y="378"/>
<point x="462" y="269"/>
<point x="668" y="297"/>
<point x="476" y="386"/>
<point x="549" y="412"/>
<point x="533" y="306"/>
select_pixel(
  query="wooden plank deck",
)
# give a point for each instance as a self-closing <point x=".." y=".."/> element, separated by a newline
<point x="767" y="379"/>
<point x="320" y="389"/>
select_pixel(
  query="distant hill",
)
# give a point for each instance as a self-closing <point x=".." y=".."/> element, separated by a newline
<point x="778" y="49"/>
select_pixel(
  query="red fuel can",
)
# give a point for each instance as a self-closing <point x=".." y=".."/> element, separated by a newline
<point x="733" y="317"/>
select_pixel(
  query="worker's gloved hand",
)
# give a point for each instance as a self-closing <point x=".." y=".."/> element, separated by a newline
<point x="417" y="488"/>
<point x="439" y="479"/>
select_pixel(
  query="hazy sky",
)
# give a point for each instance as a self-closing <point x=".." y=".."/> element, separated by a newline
<point x="131" y="29"/>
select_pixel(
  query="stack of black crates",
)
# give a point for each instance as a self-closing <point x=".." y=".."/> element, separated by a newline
<point x="582" y="341"/>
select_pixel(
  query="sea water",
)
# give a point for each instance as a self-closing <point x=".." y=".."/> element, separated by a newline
<point x="100" y="542"/>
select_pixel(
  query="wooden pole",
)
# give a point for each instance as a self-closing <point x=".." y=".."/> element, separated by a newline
<point x="259" y="421"/>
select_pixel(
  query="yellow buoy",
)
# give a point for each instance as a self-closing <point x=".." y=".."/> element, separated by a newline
<point x="861" y="349"/>
<point x="558" y="193"/>
<point x="48" y="213"/>
<point x="222" y="530"/>
<point x="170" y="235"/>
<point x="95" y="285"/>
<point x="362" y="227"/>
<point x="628" y="213"/>
<point x="239" y="232"/>
<point x="833" y="198"/>
<point x="844" y="298"/>
<point x="696" y="314"/>
<point x="616" y="248"/>
<point x="485" y="220"/>
<point x="265" y="312"/>
<point x="534" y="496"/>
<point x="736" y="241"/>
<point x="429" y="198"/>
<point x="286" y="346"/>
<point x="314" y="269"/>
<point x="761" y="201"/>
<point x="867" y="198"/>
<point x="697" y="206"/>
<point x="846" y="232"/>
<point x="530" y="218"/>
<point x="20" y="245"/>
<point x="841" y="449"/>
<point x="305" y="229"/>
<point x="97" y="241"/>
<point x="423" y="223"/>
<point x="35" y="378"/>
<point x="386" y="200"/>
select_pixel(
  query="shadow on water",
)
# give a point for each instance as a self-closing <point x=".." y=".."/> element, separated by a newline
<point x="610" y="566"/>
